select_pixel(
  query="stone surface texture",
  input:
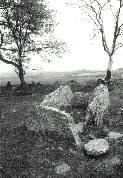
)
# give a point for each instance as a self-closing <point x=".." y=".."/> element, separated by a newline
<point x="114" y="135"/>
<point x="96" y="147"/>
<point x="60" y="97"/>
<point x="62" y="169"/>
<point x="98" y="105"/>
<point x="48" y="118"/>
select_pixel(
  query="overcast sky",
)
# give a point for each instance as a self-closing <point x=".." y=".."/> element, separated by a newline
<point x="84" y="53"/>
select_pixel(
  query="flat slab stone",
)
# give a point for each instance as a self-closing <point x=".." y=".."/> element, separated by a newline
<point x="96" y="147"/>
<point x="62" y="169"/>
<point x="115" y="135"/>
<point x="36" y="117"/>
<point x="52" y="119"/>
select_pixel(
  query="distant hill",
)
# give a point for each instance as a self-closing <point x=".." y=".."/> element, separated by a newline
<point x="51" y="77"/>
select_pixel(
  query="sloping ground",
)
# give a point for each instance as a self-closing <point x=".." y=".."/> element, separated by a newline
<point x="24" y="153"/>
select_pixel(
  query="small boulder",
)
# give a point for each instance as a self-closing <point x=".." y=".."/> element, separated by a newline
<point x="114" y="135"/>
<point x="115" y="161"/>
<point x="96" y="147"/>
<point x="62" y="169"/>
<point x="60" y="97"/>
<point x="60" y="148"/>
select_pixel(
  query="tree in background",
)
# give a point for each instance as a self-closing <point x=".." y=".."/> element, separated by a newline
<point x="98" y="12"/>
<point x="23" y="23"/>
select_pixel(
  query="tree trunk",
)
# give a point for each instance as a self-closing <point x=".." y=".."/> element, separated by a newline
<point x="109" y="70"/>
<point x="21" y="76"/>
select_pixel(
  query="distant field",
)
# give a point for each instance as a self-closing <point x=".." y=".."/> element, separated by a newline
<point x="62" y="77"/>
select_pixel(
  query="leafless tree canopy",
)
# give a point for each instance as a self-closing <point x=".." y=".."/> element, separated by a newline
<point x="96" y="10"/>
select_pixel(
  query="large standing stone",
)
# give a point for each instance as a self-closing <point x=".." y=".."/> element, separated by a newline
<point x="98" y="105"/>
<point x="96" y="147"/>
<point x="60" y="97"/>
<point x="48" y="118"/>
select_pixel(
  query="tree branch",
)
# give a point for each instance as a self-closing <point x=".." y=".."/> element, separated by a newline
<point x="120" y="45"/>
<point x="117" y="28"/>
<point x="1" y="40"/>
<point x="8" y="62"/>
<point x="8" y="49"/>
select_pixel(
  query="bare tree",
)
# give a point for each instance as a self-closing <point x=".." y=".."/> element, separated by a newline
<point x="96" y="10"/>
<point x="22" y="24"/>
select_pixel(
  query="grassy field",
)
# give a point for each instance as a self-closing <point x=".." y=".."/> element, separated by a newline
<point x="28" y="154"/>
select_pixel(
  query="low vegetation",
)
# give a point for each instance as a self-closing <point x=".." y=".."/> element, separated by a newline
<point x="25" y="153"/>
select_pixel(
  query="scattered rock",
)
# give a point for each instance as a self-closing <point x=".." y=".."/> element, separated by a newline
<point x="96" y="147"/>
<point x="60" y="148"/>
<point x="98" y="105"/>
<point x="60" y="97"/>
<point x="62" y="169"/>
<point x="115" y="161"/>
<point x="72" y="151"/>
<point x="13" y="110"/>
<point x="115" y="135"/>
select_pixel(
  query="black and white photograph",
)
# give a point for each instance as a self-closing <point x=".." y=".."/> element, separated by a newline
<point x="61" y="88"/>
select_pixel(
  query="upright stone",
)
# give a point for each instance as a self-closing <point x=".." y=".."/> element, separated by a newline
<point x="60" y="97"/>
<point x="98" y="105"/>
<point x="9" y="86"/>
